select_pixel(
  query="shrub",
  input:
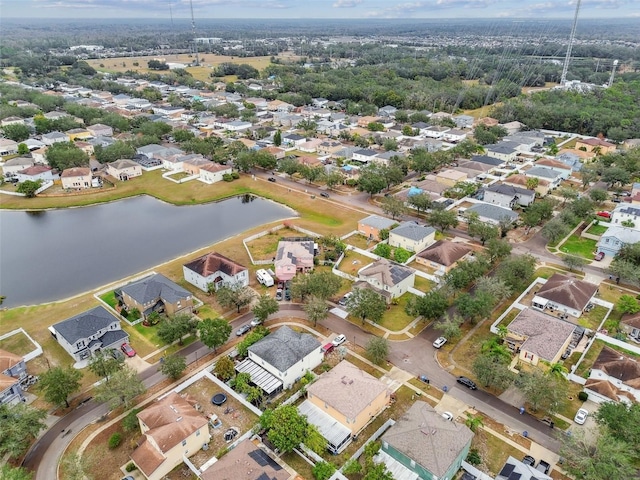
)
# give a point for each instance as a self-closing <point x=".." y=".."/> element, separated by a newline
<point x="235" y="175"/>
<point x="134" y="314"/>
<point x="130" y="421"/>
<point x="130" y="467"/>
<point x="583" y="396"/>
<point x="114" y="440"/>
<point x="323" y="470"/>
<point x="227" y="177"/>
<point x="474" y="457"/>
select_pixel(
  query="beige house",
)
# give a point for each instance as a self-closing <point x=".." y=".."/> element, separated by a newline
<point x="595" y="145"/>
<point x="389" y="279"/>
<point x="77" y="178"/>
<point x="155" y="293"/>
<point x="450" y="177"/>
<point x="213" y="172"/>
<point x="371" y="226"/>
<point x="124" y="169"/>
<point x="520" y="180"/>
<point x="412" y="237"/>
<point x="172" y="429"/>
<point x="536" y="336"/>
<point x="342" y="402"/>
<point x="443" y="255"/>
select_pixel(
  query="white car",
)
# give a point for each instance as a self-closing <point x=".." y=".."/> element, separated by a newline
<point x="581" y="416"/>
<point x="447" y="416"/>
<point x="339" y="340"/>
<point x="440" y="341"/>
<point x="343" y="301"/>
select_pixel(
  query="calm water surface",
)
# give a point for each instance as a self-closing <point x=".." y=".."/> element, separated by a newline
<point x="51" y="255"/>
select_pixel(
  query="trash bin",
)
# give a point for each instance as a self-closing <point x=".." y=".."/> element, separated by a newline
<point x="525" y="434"/>
<point x="445" y="389"/>
<point x="521" y="410"/>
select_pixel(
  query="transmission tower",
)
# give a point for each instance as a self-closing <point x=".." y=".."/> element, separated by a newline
<point x="565" y="68"/>
<point x="613" y="73"/>
<point x="193" y="30"/>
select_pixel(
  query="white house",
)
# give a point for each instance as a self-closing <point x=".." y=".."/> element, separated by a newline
<point x="564" y="295"/>
<point x="614" y="376"/>
<point x="8" y="147"/>
<point x="213" y="172"/>
<point x="454" y="135"/>
<point x="215" y="269"/>
<point x="493" y="214"/>
<point x="13" y="166"/>
<point x="293" y="140"/>
<point x="615" y="238"/>
<point x="364" y="155"/>
<point x="78" y="178"/>
<point x="35" y="173"/>
<point x="508" y="196"/>
<point x="630" y="214"/>
<point x="434" y="131"/>
<point x="124" y="169"/>
<point x="281" y="358"/>
<point x="387" y="278"/>
<point x="54" y="137"/>
<point x="237" y="126"/>
<point x="412" y="237"/>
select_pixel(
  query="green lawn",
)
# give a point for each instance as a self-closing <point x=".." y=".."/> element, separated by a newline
<point x="590" y="357"/>
<point x="395" y="319"/>
<point x="423" y="284"/>
<point x="352" y="262"/>
<point x="581" y="247"/>
<point x="593" y="318"/>
<point x="597" y="229"/>
<point x="109" y="298"/>
<point x="17" y="344"/>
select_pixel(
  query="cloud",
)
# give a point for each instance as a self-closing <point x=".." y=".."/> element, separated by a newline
<point x="347" y="3"/>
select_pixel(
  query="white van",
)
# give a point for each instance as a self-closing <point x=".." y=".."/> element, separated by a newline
<point x="264" y="278"/>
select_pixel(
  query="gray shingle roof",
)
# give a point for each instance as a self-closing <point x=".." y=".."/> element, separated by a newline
<point x="493" y="212"/>
<point x="625" y="235"/>
<point x="84" y="324"/>
<point x="284" y="348"/>
<point x="378" y="222"/>
<point x="154" y="287"/>
<point x="510" y="190"/>
<point x="412" y="231"/>
<point x="543" y="172"/>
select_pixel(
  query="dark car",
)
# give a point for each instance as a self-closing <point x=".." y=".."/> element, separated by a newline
<point x="529" y="460"/>
<point x="543" y="467"/>
<point x="117" y="354"/>
<point x="243" y="329"/>
<point x="272" y="179"/>
<point x="287" y="294"/>
<point x="566" y="354"/>
<point x="324" y="194"/>
<point x="467" y="382"/>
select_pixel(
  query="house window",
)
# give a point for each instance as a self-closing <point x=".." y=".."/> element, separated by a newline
<point x="197" y="433"/>
<point x="184" y="443"/>
<point x="413" y="464"/>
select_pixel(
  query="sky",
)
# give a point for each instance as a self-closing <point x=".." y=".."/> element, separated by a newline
<point x="309" y="9"/>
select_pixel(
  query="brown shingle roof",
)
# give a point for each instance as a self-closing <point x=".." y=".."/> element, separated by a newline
<point x="246" y="462"/>
<point x="386" y="272"/>
<point x="568" y="291"/>
<point x="424" y="436"/>
<point x="608" y="389"/>
<point x="6" y="381"/>
<point x="631" y="320"/>
<point x="545" y="335"/>
<point x="520" y="179"/>
<point x="147" y="457"/>
<point x="214" y="262"/>
<point x="619" y="365"/>
<point x="347" y="389"/>
<point x="445" y="253"/>
<point x="76" y="172"/>
<point x="8" y="360"/>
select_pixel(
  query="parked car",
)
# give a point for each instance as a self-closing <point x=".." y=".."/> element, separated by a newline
<point x="543" y="467"/>
<point x="127" y="350"/>
<point x="343" y="300"/>
<point x="604" y="214"/>
<point x="117" y="354"/>
<point x="287" y="294"/>
<point x="279" y="294"/>
<point x="339" y="340"/>
<point x="589" y="307"/>
<point x="581" y="416"/>
<point x="328" y="348"/>
<point x="440" y="341"/>
<point x="467" y="382"/>
<point x="447" y="416"/>
<point x="324" y="194"/>
<point x="243" y="329"/>
<point x="272" y="179"/>
<point x="599" y="256"/>
<point x="255" y="322"/>
<point x="566" y="354"/>
<point x="529" y="460"/>
<point x="281" y="285"/>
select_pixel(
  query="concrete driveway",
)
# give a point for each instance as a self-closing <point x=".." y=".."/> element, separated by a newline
<point x="137" y="363"/>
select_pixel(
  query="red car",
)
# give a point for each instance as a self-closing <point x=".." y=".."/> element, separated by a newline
<point x="128" y="351"/>
<point x="604" y="214"/>
<point x="599" y="256"/>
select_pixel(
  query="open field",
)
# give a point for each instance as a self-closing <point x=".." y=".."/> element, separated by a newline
<point x="207" y="62"/>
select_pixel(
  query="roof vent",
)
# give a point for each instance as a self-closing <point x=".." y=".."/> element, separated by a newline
<point x="178" y="419"/>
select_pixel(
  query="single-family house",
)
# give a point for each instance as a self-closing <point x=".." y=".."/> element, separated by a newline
<point x="172" y="429"/>
<point x="520" y="180"/>
<point x="37" y="172"/>
<point x="33" y="144"/>
<point x="14" y="165"/>
<point x="493" y="214"/>
<point x="280" y="359"/>
<point x="77" y="178"/>
<point x="412" y="237"/>
<point x="342" y="401"/>
<point x="435" y="131"/>
<point x="194" y="163"/>
<point x="544" y="173"/>
<point x="100" y="130"/>
<point x="277" y="152"/>
<point x="595" y="145"/>
<point x="11" y="121"/>
<point x="508" y="196"/>
<point x="293" y="140"/>
<point x="124" y="169"/>
<point x="216" y="270"/>
<point x="371" y="226"/>
<point x="514" y="469"/>
<point x="8" y="147"/>
<point x="155" y="293"/>
<point x="12" y="370"/>
<point x="450" y="177"/>
<point x="536" y="336"/>
<point x="388" y="111"/>
<point x="487" y="122"/>
<point x="247" y="461"/>
<point x="310" y="146"/>
<point x="389" y="279"/>
<point x="501" y="151"/>
<point x="615" y="376"/>
<point x="463" y="121"/>
<point x="563" y="294"/>
<point x="88" y="332"/>
<point x="444" y="255"/>
<point x="213" y="172"/>
<point x="78" y="134"/>
<point x="237" y="126"/>
<point x="293" y="257"/>
<point x="581" y="155"/>
<point x="454" y="135"/>
<point x="615" y="238"/>
<point x="364" y="155"/>
<point x="630" y="324"/>
<point x="559" y="166"/>
<point x="424" y="445"/>
<point x="626" y="215"/>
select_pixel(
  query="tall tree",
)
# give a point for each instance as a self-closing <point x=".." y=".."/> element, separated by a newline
<point x="483" y="231"/>
<point x="366" y="304"/>
<point x="59" y="383"/>
<point x="543" y="391"/>
<point x="103" y="364"/>
<point x="124" y="386"/>
<point x="443" y="219"/>
<point x="224" y="368"/>
<point x="516" y="271"/>
<point x="371" y="180"/>
<point x="492" y="372"/>
<point x="316" y="310"/>
<point x="173" y="366"/>
<point x="176" y="327"/>
<point x="288" y="428"/>
<point x="214" y="332"/>
<point x="377" y="349"/>
<point x="622" y="420"/>
<point x="66" y="155"/>
<point x="498" y="249"/>
<point x="393" y="206"/>
<point x="16" y="132"/>
<point x="19" y="424"/>
<point x="7" y="472"/>
<point x="628" y="304"/>
<point x="450" y="326"/>
<point x="277" y="138"/>
<point x="420" y="201"/>
<point x="431" y="306"/>
<point x="265" y="306"/>
<point x="234" y="295"/>
<point x="574" y="262"/>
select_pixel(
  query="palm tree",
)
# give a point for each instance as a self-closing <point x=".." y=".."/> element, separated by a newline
<point x="557" y="369"/>
<point x="473" y="422"/>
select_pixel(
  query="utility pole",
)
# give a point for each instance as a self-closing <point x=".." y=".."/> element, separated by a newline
<point x="565" y="68"/>
<point x="613" y="73"/>
<point x="193" y="30"/>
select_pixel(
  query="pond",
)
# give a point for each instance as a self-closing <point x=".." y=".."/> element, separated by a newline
<point x="54" y="254"/>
